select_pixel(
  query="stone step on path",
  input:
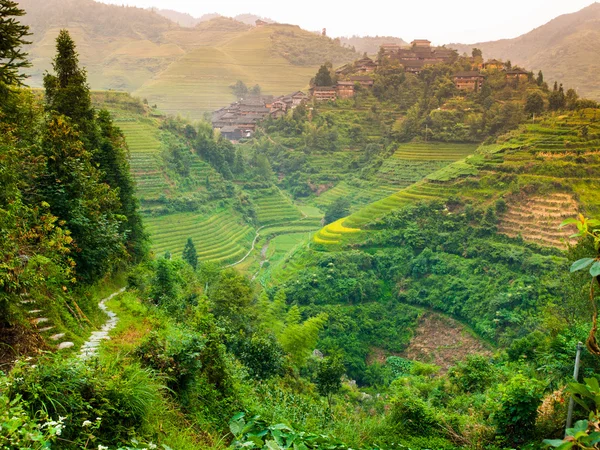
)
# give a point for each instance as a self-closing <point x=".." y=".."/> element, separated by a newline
<point x="90" y="348"/>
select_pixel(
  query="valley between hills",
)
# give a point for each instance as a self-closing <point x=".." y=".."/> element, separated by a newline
<point x="225" y="235"/>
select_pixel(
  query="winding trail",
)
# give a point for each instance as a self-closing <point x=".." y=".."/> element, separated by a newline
<point x="90" y="348"/>
<point x="249" y="251"/>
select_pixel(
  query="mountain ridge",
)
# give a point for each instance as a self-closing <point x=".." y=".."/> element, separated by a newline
<point x="564" y="48"/>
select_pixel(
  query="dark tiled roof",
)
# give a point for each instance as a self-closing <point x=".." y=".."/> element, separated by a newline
<point x="359" y="78"/>
<point x="517" y="72"/>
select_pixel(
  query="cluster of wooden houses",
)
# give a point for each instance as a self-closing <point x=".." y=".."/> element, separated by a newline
<point x="239" y="119"/>
<point x="342" y="89"/>
<point x="471" y="81"/>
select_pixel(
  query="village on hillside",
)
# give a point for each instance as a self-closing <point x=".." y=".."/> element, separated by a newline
<point x="239" y="120"/>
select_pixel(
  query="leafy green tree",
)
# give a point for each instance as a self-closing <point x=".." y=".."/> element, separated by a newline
<point x="339" y="208"/>
<point x="556" y="99"/>
<point x="534" y="103"/>
<point x="67" y="91"/>
<point x="263" y="167"/>
<point x="189" y="253"/>
<point x="540" y="79"/>
<point x="165" y="283"/>
<point x="571" y="98"/>
<point x="12" y="38"/>
<point x="72" y="187"/>
<point x="239" y="89"/>
<point x="111" y="158"/>
<point x="323" y="77"/>
<point x="231" y="296"/>
<point x="477" y="53"/>
<point x="521" y="397"/>
<point x="299" y="339"/>
<point x="256" y="90"/>
<point x="329" y="377"/>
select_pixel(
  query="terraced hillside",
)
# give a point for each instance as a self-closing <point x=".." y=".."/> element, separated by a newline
<point x="222" y="237"/>
<point x="409" y="164"/>
<point x="273" y="207"/>
<point x="184" y="71"/>
<point x="144" y="144"/>
<point x="537" y="219"/>
<point x="536" y="169"/>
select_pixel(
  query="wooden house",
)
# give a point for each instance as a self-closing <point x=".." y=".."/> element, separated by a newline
<point x="389" y="49"/>
<point x="421" y="43"/>
<point x="493" y="64"/>
<point x="517" y="75"/>
<point x="468" y="81"/>
<point x="261" y="23"/>
<point x="298" y="98"/>
<point x="323" y="93"/>
<point x="365" y="82"/>
<point x="345" y="89"/>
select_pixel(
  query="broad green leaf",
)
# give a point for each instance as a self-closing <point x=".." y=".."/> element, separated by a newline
<point x="593" y="223"/>
<point x="594" y="438"/>
<point x="593" y="384"/>
<point x="581" y="264"/>
<point x="553" y="442"/>
<point x="595" y="269"/>
<point x="568" y="222"/>
<point x="272" y="445"/>
<point x="580" y="425"/>
<point x="238" y="416"/>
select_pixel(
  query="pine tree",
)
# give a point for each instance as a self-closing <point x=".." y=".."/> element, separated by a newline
<point x="189" y="254"/>
<point x="12" y="39"/>
<point x="67" y="92"/>
<point x="323" y="77"/>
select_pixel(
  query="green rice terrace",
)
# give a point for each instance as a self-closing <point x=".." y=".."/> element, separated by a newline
<point x="557" y="157"/>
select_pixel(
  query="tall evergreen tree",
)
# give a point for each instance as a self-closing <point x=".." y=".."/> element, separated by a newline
<point x="189" y="254"/>
<point x="67" y="91"/>
<point x="323" y="77"/>
<point x="12" y="38"/>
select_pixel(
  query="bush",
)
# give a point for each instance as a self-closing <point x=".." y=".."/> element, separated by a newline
<point x="114" y="398"/>
<point x="515" y="420"/>
<point x="177" y="356"/>
<point x="472" y="375"/>
<point x="262" y="355"/>
<point x="412" y="415"/>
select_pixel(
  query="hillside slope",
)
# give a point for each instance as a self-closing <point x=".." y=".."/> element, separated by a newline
<point x="184" y="71"/>
<point x="540" y="174"/>
<point x="565" y="49"/>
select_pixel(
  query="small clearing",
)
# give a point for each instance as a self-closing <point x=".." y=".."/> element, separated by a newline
<point x="442" y="341"/>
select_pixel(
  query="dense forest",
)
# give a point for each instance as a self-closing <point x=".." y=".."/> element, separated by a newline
<point x="222" y="342"/>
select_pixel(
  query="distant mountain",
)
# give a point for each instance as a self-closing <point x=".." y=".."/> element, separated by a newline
<point x="566" y="49"/>
<point x="183" y="70"/>
<point x="370" y="44"/>
<point x="189" y="21"/>
<point x="182" y="19"/>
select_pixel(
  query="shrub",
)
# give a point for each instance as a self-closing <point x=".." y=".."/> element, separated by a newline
<point x="177" y="356"/>
<point x="521" y="397"/>
<point x="115" y="397"/>
<point x="262" y="355"/>
<point x="472" y="375"/>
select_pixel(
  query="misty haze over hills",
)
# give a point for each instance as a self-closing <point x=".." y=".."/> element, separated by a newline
<point x="164" y="55"/>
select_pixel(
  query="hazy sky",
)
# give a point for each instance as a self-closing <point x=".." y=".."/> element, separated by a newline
<point x="441" y="21"/>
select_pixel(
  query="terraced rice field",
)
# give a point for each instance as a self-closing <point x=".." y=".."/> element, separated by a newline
<point x="536" y="219"/>
<point x="199" y="81"/>
<point x="410" y="164"/>
<point x="144" y="147"/>
<point x="274" y="207"/>
<point x="223" y="237"/>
